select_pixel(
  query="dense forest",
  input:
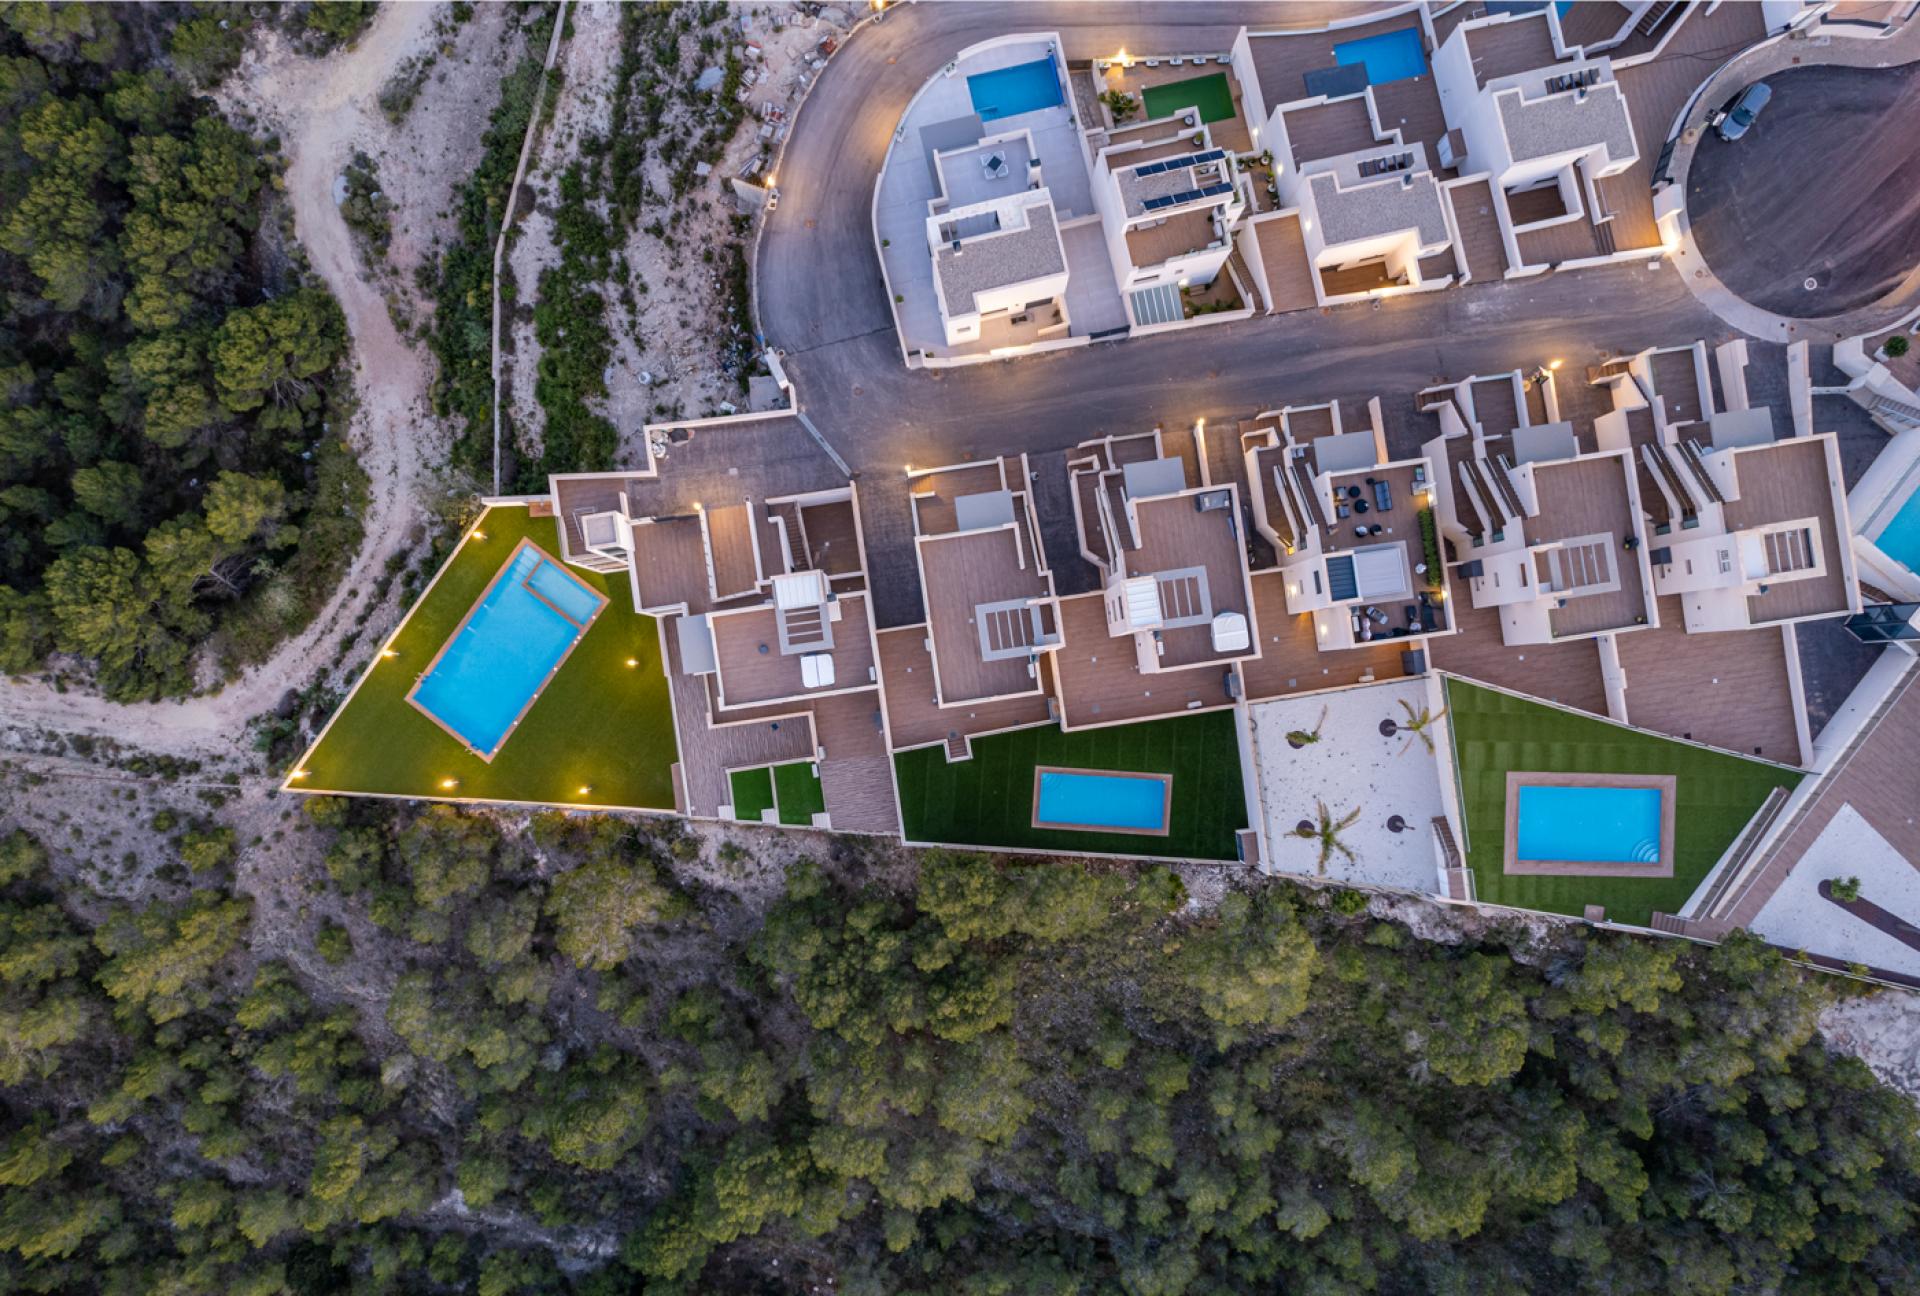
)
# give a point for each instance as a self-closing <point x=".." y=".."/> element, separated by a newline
<point x="580" y="1054"/>
<point x="173" y="468"/>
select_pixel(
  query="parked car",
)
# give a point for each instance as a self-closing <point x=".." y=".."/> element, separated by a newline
<point x="1737" y="117"/>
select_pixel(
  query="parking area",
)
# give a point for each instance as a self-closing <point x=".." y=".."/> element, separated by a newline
<point x="1820" y="188"/>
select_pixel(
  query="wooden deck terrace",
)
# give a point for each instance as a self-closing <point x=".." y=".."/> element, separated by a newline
<point x="1412" y="107"/>
<point x="732" y="540"/>
<point x="1290" y="658"/>
<point x="1676" y="382"/>
<point x="1567" y="673"/>
<point x="1100" y="681"/>
<point x="1402" y="522"/>
<point x="934" y="494"/>
<point x="1175" y="534"/>
<point x="670" y="565"/>
<point x="707" y="752"/>
<point x="959" y="574"/>
<point x="1226" y="464"/>
<point x="1586" y="497"/>
<point x="1283" y="256"/>
<point x="1494" y="406"/>
<point x="1784" y="482"/>
<point x="1518" y="45"/>
<point x="1568" y="241"/>
<point x="1480" y="242"/>
<point x="754" y="672"/>
<point x="1593" y="22"/>
<point x="1170" y="237"/>
<point x="1330" y="130"/>
<point x="914" y="713"/>
<point x="579" y="497"/>
<point x="1355" y="279"/>
<point x="829" y="538"/>
<point x="1728" y="689"/>
<point x="856" y="771"/>
<point x="1309" y="422"/>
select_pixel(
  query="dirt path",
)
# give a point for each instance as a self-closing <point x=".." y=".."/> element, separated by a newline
<point x="321" y="109"/>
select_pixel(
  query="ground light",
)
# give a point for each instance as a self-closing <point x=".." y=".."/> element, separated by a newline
<point x="449" y="784"/>
<point x="632" y="662"/>
<point x="586" y="789"/>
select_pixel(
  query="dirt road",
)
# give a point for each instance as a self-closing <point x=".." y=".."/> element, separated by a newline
<point x="322" y="109"/>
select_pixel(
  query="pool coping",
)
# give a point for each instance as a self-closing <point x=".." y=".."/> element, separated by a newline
<point x="453" y="635"/>
<point x="1666" y="784"/>
<point x="1166" y="802"/>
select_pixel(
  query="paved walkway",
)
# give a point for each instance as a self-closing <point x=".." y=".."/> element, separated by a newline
<point x="1774" y="55"/>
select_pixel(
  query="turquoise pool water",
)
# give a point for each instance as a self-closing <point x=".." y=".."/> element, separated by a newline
<point x="486" y="677"/>
<point x="1010" y="91"/>
<point x="1612" y="825"/>
<point x="1390" y="56"/>
<point x="1899" y="539"/>
<point x="1102" y="801"/>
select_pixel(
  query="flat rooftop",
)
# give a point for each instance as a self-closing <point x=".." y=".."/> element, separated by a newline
<point x="1585" y="498"/>
<point x="1367" y="209"/>
<point x="1784" y="482"/>
<point x="754" y="671"/>
<point x="1504" y="49"/>
<point x="1176" y="536"/>
<point x="1012" y="254"/>
<point x="1571" y="121"/>
<point x="976" y="585"/>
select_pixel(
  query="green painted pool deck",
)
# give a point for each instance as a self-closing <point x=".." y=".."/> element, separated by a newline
<point x="1716" y="794"/>
<point x="599" y="725"/>
<point x="988" y="801"/>
<point x="1210" y="94"/>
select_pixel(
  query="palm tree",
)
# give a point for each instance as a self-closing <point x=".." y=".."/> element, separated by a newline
<point x="1419" y="724"/>
<point x="1327" y="832"/>
<point x="1299" y="738"/>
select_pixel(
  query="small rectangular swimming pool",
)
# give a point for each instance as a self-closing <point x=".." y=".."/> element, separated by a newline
<point x="510" y="643"/>
<point x="1010" y="91"/>
<point x="1899" y="539"/>
<point x="1101" y="801"/>
<point x="1600" y="825"/>
<point x="1390" y="56"/>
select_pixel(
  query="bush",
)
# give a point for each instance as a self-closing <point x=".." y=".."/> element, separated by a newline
<point x="1896" y="346"/>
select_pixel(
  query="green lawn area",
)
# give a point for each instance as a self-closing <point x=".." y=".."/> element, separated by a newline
<point x="794" y="788"/>
<point x="799" y="792"/>
<point x="988" y="801"/>
<point x="752" y="793"/>
<point x="599" y="724"/>
<point x="1210" y="94"/>
<point x="1495" y="732"/>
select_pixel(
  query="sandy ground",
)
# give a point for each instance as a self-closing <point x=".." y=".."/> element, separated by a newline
<point x="322" y="109"/>
<point x="665" y="361"/>
<point x="1882" y="1030"/>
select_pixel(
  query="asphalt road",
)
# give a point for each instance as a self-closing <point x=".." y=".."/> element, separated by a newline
<point x="822" y="301"/>
<point x="1823" y="186"/>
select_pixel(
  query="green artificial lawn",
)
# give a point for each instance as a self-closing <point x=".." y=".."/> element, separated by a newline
<point x="1495" y="732"/>
<point x="599" y="723"/>
<point x="799" y="790"/>
<point x="1210" y="94"/>
<point x="988" y="801"/>
<point x="752" y="793"/>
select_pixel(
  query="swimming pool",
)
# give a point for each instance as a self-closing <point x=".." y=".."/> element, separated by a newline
<point x="504" y="651"/>
<point x="1602" y="825"/>
<point x="1010" y="91"/>
<point x="1899" y="539"/>
<point x="1130" y="803"/>
<point x="1390" y="56"/>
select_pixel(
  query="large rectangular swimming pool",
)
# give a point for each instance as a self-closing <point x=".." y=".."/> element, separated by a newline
<point x="1088" y="799"/>
<point x="1390" y="56"/>
<point x="1602" y="825"/>
<point x="506" y="649"/>
<point x="1010" y="91"/>
<point x="1899" y="539"/>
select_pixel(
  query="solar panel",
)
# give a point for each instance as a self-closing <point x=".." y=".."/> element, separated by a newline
<point x="1213" y="155"/>
<point x="1189" y="195"/>
<point x="1152" y="169"/>
<point x="1155" y="204"/>
<point x="1214" y="191"/>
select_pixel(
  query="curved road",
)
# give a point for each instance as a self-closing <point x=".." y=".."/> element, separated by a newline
<point x="821" y="298"/>
<point x="1821" y="187"/>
